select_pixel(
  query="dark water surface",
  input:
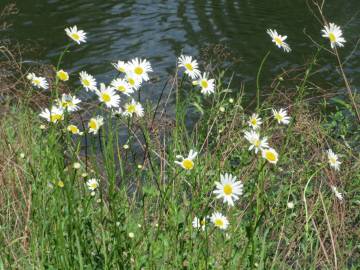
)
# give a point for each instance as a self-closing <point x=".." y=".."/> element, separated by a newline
<point x="161" y="29"/>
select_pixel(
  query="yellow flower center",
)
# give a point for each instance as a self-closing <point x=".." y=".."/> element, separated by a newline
<point x="36" y="81"/>
<point x="257" y="143"/>
<point x="60" y="184"/>
<point x="121" y="88"/>
<point x="63" y="76"/>
<point x="93" y="124"/>
<point x="73" y="129"/>
<point x="204" y="84"/>
<point x="66" y="104"/>
<point x="253" y="121"/>
<point x="279" y="117"/>
<point x="75" y="36"/>
<point x="202" y="222"/>
<point x="86" y="82"/>
<point x="219" y="222"/>
<point x="188" y="164"/>
<point x="189" y="66"/>
<point x="139" y="70"/>
<point x="278" y="41"/>
<point x="55" y="117"/>
<point x="131" y="81"/>
<point x="332" y="37"/>
<point x="270" y="156"/>
<point x="228" y="189"/>
<point x="121" y="69"/>
<point x="93" y="185"/>
<point x="105" y="97"/>
<point x="332" y="160"/>
<point x="131" y="108"/>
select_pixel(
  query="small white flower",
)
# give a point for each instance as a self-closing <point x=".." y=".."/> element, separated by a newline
<point x="228" y="188"/>
<point x="132" y="108"/>
<point x="219" y="220"/>
<point x="279" y="40"/>
<point x="77" y="35"/>
<point x="254" y="121"/>
<point x="187" y="163"/>
<point x="140" y="68"/>
<point x="95" y="124"/>
<point x="256" y="142"/>
<point x="134" y="81"/>
<point x="37" y="81"/>
<point x="68" y="102"/>
<point x="54" y="115"/>
<point x="207" y="85"/>
<point x="190" y="65"/>
<point x="337" y="193"/>
<point x="198" y="223"/>
<point x="107" y="95"/>
<point x="290" y="205"/>
<point x="270" y="155"/>
<point x="121" y="66"/>
<point x="76" y="165"/>
<point x="281" y="116"/>
<point x="333" y="160"/>
<point x="122" y="86"/>
<point x="131" y="235"/>
<point x="92" y="184"/>
<point x="334" y="34"/>
<point x="88" y="81"/>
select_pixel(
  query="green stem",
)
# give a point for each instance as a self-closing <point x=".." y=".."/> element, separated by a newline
<point x="258" y="81"/>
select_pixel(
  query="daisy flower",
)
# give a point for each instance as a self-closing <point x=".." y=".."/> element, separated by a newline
<point x="140" y="68"/>
<point x="207" y="85"/>
<point x="187" y="163"/>
<point x="87" y="81"/>
<point x="256" y="142"/>
<point x="281" y="116"/>
<point x="62" y="75"/>
<point x="37" y="81"/>
<point x="333" y="160"/>
<point x="121" y="66"/>
<point x="337" y="193"/>
<point x="279" y="40"/>
<point x="270" y="155"/>
<point x="190" y="65"/>
<point x="54" y="115"/>
<point x="77" y="35"/>
<point x="95" y="124"/>
<point x="92" y="184"/>
<point x="334" y="34"/>
<point x="122" y="86"/>
<point x="228" y="188"/>
<point x="254" y="121"/>
<point x="134" y="81"/>
<point x="198" y="223"/>
<point x="219" y="220"/>
<point x="107" y="95"/>
<point x="69" y="102"/>
<point x="73" y="129"/>
<point x="132" y="108"/>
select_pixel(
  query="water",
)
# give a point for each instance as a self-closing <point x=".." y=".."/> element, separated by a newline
<point x="160" y="30"/>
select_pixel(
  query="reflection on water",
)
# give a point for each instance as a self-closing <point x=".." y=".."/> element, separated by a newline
<point x="161" y="29"/>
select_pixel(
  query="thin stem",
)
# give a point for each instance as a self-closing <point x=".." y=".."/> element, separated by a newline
<point x="258" y="81"/>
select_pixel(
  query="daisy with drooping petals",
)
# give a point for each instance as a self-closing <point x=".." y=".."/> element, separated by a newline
<point x="254" y="121"/>
<point x="132" y="108"/>
<point x="219" y="220"/>
<point x="107" y="95"/>
<point x="62" y="75"/>
<point x="37" y="81"/>
<point x="121" y="66"/>
<point x="187" y="163"/>
<point x="88" y="81"/>
<point x="73" y="129"/>
<point x="122" y="86"/>
<point x="140" y="68"/>
<point x="92" y="184"/>
<point x="334" y="34"/>
<point x="199" y="223"/>
<point x="69" y="102"/>
<point x="228" y="188"/>
<point x="256" y="142"/>
<point x="190" y="65"/>
<point x="134" y="81"/>
<point x="281" y="116"/>
<point x="333" y="160"/>
<point x="95" y="124"/>
<point x="270" y="155"/>
<point x="54" y="115"/>
<point x="337" y="193"/>
<point x="279" y="40"/>
<point x="77" y="35"/>
<point x="207" y="85"/>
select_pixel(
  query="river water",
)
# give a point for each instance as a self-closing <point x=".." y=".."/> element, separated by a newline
<point x="160" y="30"/>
